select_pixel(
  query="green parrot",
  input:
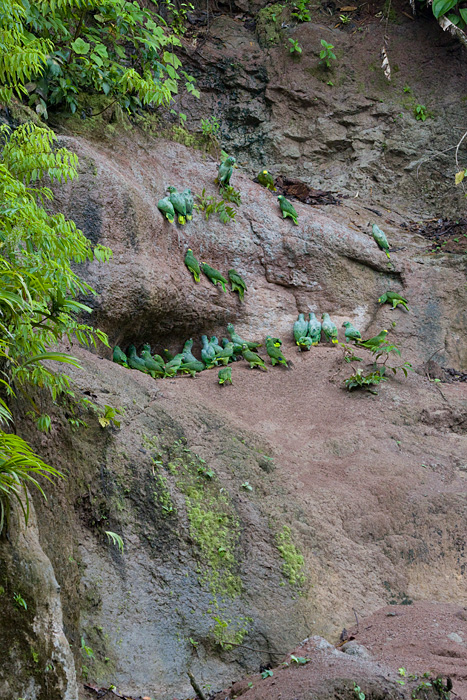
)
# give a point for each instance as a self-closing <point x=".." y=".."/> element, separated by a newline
<point x="178" y="201"/>
<point x="193" y="265"/>
<point x="166" y="207"/>
<point x="186" y="352"/>
<point x="237" y="349"/>
<point x="225" y="355"/>
<point x="214" y="275"/>
<point x="134" y="361"/>
<point x="225" y="375"/>
<point x="394" y="298"/>
<point x="253" y="359"/>
<point x="159" y="360"/>
<point x="275" y="353"/>
<point x="374" y="343"/>
<point x="266" y="179"/>
<point x="119" y="357"/>
<point x="304" y="343"/>
<point x="208" y="353"/>
<point x="153" y="367"/>
<point x="238" y="285"/>
<point x="189" y="203"/>
<point x="225" y="171"/>
<point x="168" y="355"/>
<point x="173" y="366"/>
<point x="314" y="329"/>
<point x="192" y="367"/>
<point x="215" y="344"/>
<point x="381" y="240"/>
<point x="351" y="333"/>
<point x="329" y="328"/>
<point x="300" y="328"/>
<point x="236" y="340"/>
<point x="287" y="209"/>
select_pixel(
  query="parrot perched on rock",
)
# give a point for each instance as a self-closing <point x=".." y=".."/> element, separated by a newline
<point x="225" y="375"/>
<point x="238" y="285"/>
<point x="172" y="367"/>
<point x="287" y="209"/>
<point x="275" y="353"/>
<point x="186" y="352"/>
<point x="153" y="367"/>
<point x="166" y="207"/>
<point x="225" y="354"/>
<point x="351" y="333"/>
<point x="300" y="328"/>
<point x="237" y="349"/>
<point x="266" y="179"/>
<point x="189" y="203"/>
<point x="215" y="344"/>
<point x="208" y="353"/>
<point x="380" y="238"/>
<point x="168" y="355"/>
<point x="178" y="201"/>
<point x="252" y="358"/>
<point x="119" y="357"/>
<point x="394" y="298"/>
<point x="193" y="265"/>
<point x="214" y="275"/>
<point x="329" y="328"/>
<point x="304" y="343"/>
<point x="225" y="171"/>
<point x="134" y="361"/>
<point x="192" y="367"/>
<point x="314" y="329"/>
<point x="374" y="343"/>
<point x="236" y="340"/>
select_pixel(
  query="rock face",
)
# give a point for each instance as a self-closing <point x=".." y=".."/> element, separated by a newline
<point x="327" y="263"/>
<point x="256" y="514"/>
<point x="346" y="128"/>
<point x="37" y="661"/>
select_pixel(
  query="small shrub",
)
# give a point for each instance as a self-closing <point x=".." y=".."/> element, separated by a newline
<point x="301" y="11"/>
<point x="295" y="49"/>
<point x="326" y="55"/>
<point x="420" y="113"/>
<point x="210" y="126"/>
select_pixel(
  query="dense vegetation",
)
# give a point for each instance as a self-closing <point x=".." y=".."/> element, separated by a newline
<point x="50" y="51"/>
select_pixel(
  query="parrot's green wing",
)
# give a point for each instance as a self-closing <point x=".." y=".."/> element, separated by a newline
<point x="193" y="265"/>
<point x="166" y="207"/>
<point x="380" y="238"/>
<point x="214" y="275"/>
<point x="178" y="201"/>
<point x="375" y="342"/>
<point x="300" y="327"/>
<point x="287" y="209"/>
<point x="237" y="283"/>
<point x="119" y="356"/>
<point x="329" y="328"/>
<point x="314" y="329"/>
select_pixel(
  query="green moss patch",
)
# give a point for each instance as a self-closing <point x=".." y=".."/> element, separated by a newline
<point x="293" y="561"/>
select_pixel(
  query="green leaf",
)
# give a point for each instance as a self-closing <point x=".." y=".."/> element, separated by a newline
<point x="56" y="356"/>
<point x="440" y="7"/>
<point x="80" y="46"/>
<point x="463" y="13"/>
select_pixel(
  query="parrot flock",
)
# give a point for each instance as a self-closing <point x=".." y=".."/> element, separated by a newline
<point x="306" y="333"/>
<point x="212" y="353"/>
